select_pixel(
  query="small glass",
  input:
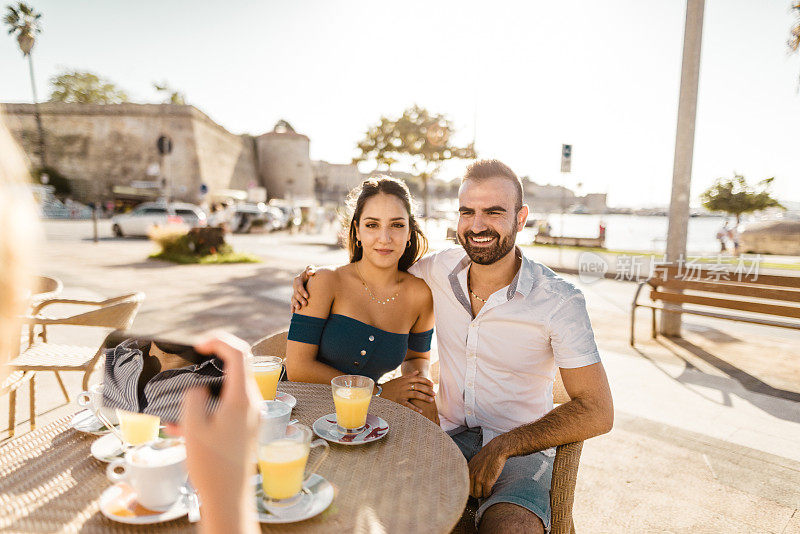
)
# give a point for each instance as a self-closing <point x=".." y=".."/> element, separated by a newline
<point x="138" y="428"/>
<point x="283" y="465"/>
<point x="351" y="396"/>
<point x="93" y="400"/>
<point x="267" y="372"/>
<point x="274" y="420"/>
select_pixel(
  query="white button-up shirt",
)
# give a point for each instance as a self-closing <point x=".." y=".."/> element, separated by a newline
<point x="497" y="369"/>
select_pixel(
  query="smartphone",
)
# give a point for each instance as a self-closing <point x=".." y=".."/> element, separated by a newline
<point x="179" y="368"/>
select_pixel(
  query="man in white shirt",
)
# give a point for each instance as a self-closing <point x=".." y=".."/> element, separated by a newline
<point x="504" y="323"/>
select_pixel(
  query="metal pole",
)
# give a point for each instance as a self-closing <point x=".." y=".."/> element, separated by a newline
<point x="37" y="115"/>
<point x="684" y="149"/>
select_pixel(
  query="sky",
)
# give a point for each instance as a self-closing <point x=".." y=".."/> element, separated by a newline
<point x="519" y="78"/>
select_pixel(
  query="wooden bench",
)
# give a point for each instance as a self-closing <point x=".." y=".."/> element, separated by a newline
<point x="751" y="298"/>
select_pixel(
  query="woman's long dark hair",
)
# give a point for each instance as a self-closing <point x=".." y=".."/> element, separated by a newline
<point x="388" y="186"/>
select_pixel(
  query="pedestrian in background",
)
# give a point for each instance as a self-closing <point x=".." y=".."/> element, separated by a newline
<point x="722" y="235"/>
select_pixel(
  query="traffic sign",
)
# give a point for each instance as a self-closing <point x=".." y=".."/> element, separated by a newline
<point x="164" y="145"/>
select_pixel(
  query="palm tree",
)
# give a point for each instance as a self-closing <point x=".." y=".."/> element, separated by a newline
<point x="794" y="40"/>
<point x="24" y="21"/>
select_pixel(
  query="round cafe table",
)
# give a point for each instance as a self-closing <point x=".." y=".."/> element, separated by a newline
<point x="414" y="479"/>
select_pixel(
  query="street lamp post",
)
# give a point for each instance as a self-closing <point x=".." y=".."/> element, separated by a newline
<point x="684" y="149"/>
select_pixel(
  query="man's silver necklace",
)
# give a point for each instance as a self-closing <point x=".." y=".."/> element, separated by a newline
<point x="371" y="295"/>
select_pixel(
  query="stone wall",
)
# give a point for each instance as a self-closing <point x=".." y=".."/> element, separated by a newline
<point x="285" y="165"/>
<point x="100" y="146"/>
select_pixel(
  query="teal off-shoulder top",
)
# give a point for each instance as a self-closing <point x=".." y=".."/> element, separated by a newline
<point x="354" y="347"/>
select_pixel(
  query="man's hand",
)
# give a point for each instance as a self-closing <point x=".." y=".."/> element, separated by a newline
<point x="300" y="294"/>
<point x="485" y="468"/>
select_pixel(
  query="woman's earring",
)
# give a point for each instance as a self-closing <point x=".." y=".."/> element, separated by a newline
<point x="358" y="243"/>
<point x="408" y="244"/>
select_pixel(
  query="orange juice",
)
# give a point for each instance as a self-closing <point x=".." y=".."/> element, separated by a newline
<point x="267" y="379"/>
<point x="138" y="428"/>
<point x="282" y="464"/>
<point x="352" y="405"/>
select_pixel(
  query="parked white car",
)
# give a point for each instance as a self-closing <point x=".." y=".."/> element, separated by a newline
<point x="145" y="216"/>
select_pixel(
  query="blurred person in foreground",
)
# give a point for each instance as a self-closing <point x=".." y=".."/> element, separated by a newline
<point x="505" y="324"/>
<point x="219" y="446"/>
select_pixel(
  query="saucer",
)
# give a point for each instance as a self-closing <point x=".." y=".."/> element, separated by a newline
<point x="318" y="496"/>
<point x="109" y="447"/>
<point x="286" y="398"/>
<point x="86" y="421"/>
<point x="326" y="428"/>
<point x="119" y="503"/>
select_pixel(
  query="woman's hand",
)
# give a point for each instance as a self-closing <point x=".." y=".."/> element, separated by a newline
<point x="411" y="386"/>
<point x="220" y="447"/>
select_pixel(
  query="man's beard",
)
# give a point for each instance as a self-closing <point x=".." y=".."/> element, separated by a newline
<point x="488" y="255"/>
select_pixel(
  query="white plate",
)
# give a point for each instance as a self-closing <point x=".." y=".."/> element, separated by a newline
<point x="326" y="428"/>
<point x="119" y="503"/>
<point x="286" y="398"/>
<point x="86" y="421"/>
<point x="318" y="495"/>
<point x="109" y="447"/>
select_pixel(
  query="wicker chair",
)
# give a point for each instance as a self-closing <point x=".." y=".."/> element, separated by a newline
<point x="37" y="317"/>
<point x="562" y="486"/>
<point x="46" y="287"/>
<point x="11" y="384"/>
<point x="271" y="345"/>
<point x="46" y="356"/>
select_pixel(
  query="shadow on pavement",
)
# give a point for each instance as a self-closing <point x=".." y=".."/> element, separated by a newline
<point x="249" y="306"/>
<point x="737" y="382"/>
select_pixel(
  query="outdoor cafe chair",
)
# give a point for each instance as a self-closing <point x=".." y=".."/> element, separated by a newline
<point x="37" y="316"/>
<point x="271" y="345"/>
<point x="46" y="356"/>
<point x="45" y="287"/>
<point x="10" y="385"/>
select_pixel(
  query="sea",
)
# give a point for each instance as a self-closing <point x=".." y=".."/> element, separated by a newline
<point x="634" y="232"/>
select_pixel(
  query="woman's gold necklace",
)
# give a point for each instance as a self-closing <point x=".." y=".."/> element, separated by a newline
<point x="372" y="296"/>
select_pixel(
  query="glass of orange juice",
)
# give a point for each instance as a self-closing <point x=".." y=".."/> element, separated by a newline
<point x="283" y="465"/>
<point x="138" y="428"/>
<point x="267" y="372"/>
<point x="351" y="396"/>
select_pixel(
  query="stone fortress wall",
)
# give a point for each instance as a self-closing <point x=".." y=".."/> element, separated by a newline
<point x="285" y="164"/>
<point x="101" y="146"/>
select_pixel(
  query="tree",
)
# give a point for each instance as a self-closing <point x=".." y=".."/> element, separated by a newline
<point x="419" y="138"/>
<point x="171" y="96"/>
<point x="735" y="197"/>
<point x="85" y="88"/>
<point x="794" y="39"/>
<point x="24" y="21"/>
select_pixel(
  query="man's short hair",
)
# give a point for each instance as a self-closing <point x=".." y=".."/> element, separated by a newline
<point x="493" y="168"/>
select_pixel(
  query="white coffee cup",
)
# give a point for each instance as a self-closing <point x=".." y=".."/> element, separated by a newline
<point x="93" y="399"/>
<point x="274" y="419"/>
<point x="156" y="471"/>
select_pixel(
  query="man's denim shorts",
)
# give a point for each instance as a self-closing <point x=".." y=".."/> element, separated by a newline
<point x="525" y="480"/>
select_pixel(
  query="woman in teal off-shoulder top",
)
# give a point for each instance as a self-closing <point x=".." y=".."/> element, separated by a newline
<point x="370" y="316"/>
